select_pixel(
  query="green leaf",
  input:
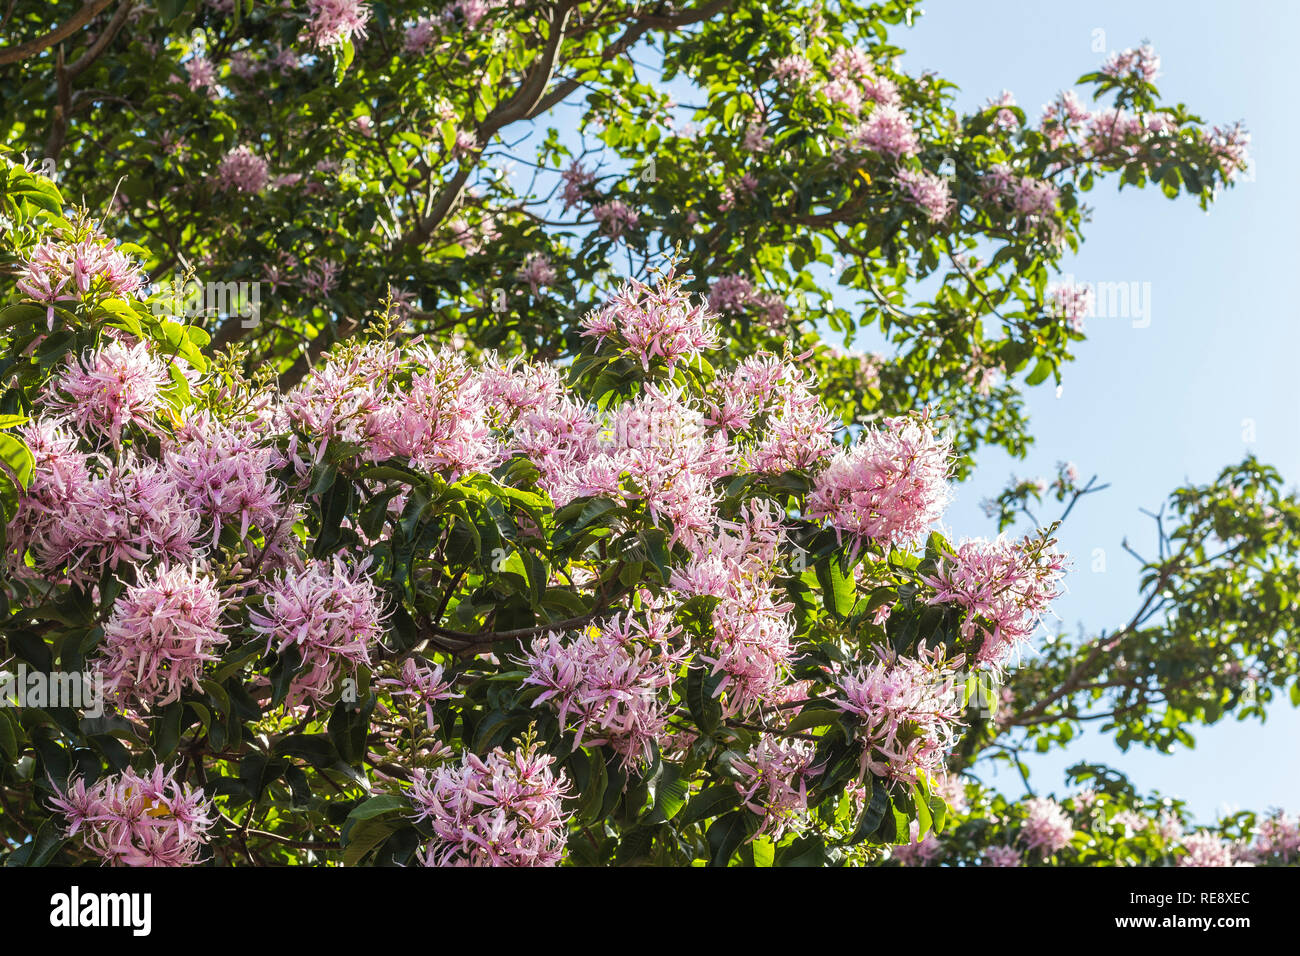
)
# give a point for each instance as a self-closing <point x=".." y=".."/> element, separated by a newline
<point x="726" y="834"/>
<point x="709" y="802"/>
<point x="705" y="709"/>
<point x="365" y="837"/>
<point x="378" y="806"/>
<point x="17" y="459"/>
<point x="837" y="587"/>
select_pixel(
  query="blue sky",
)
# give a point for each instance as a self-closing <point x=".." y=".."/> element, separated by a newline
<point x="1151" y="408"/>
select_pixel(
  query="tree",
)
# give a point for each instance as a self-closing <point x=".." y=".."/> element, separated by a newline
<point x="562" y="483"/>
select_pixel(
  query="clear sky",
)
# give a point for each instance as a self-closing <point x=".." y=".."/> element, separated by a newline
<point x="1209" y="379"/>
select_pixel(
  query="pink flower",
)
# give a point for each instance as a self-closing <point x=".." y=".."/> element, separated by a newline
<point x="577" y="184"/>
<point x="730" y="294"/>
<point x="243" y="171"/>
<point x="61" y="474"/>
<point x="202" y="74"/>
<point x="1230" y="147"/>
<point x="420" y="36"/>
<point x="334" y="22"/>
<point x="888" y="487"/>
<point x="1006" y="588"/>
<point x="466" y="144"/>
<point x="502" y="810"/>
<point x="1143" y="62"/>
<point x="424" y="684"/>
<point x="793" y="69"/>
<point x="322" y="278"/>
<point x="918" y="852"/>
<point x="1063" y="118"/>
<point x="1205" y="849"/>
<point x="1277" y="837"/>
<point x="127" y="819"/>
<point x="225" y="471"/>
<point x="615" y="217"/>
<point x="908" y="710"/>
<point x="537" y="272"/>
<point x="1002" y="856"/>
<point x="329" y="614"/>
<point x="1033" y="197"/>
<point x="162" y="630"/>
<point x="756" y="139"/>
<point x="887" y="130"/>
<point x="777" y="772"/>
<point x="799" y="430"/>
<point x="926" y="191"/>
<point x="132" y="514"/>
<point x="111" y="389"/>
<point x="438" y="421"/>
<point x="647" y="323"/>
<point x="1004" y="118"/>
<point x="57" y="271"/>
<point x="612" y="681"/>
<point x="752" y="645"/>
<point x="1072" y="303"/>
<point x="1047" y="828"/>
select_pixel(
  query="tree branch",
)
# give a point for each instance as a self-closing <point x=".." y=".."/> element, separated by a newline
<point x="89" y="10"/>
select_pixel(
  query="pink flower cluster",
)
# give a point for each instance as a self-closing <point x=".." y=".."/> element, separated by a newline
<point x="660" y="322"/>
<point x="501" y="810"/>
<point x="224" y="469"/>
<point x="1205" y="849"/>
<point x="612" y="681"/>
<point x="57" y="271"/>
<point x="927" y="192"/>
<point x="852" y="81"/>
<point x="753" y="642"/>
<point x="889" y="486"/>
<point x="777" y="771"/>
<point x="81" y="515"/>
<point x="330" y="614"/>
<point x="1072" y="303"/>
<point x="1143" y="62"/>
<point x="423" y="683"/>
<point x="1047" y="827"/>
<point x="577" y="184"/>
<point x="776" y="400"/>
<point x="1277" y="840"/>
<point x="436" y="417"/>
<point x="334" y="22"/>
<point x="420" y="35"/>
<point x="1230" y="146"/>
<point x="242" y="170"/>
<point x="1006" y="588"/>
<point x="908" y="710"/>
<point x="793" y="69"/>
<point x="1005" y="118"/>
<point x="161" y="632"/>
<point x="1002" y="856"/>
<point x="888" y="130"/>
<point x="536" y="272"/>
<point x="113" y="387"/>
<point x="921" y="852"/>
<point x="127" y="819"/>
<point x="735" y="294"/>
<point x="615" y="217"/>
<point x="202" y="74"/>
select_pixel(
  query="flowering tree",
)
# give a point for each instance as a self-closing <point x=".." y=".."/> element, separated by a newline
<point x="521" y="563"/>
<point x="490" y="164"/>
